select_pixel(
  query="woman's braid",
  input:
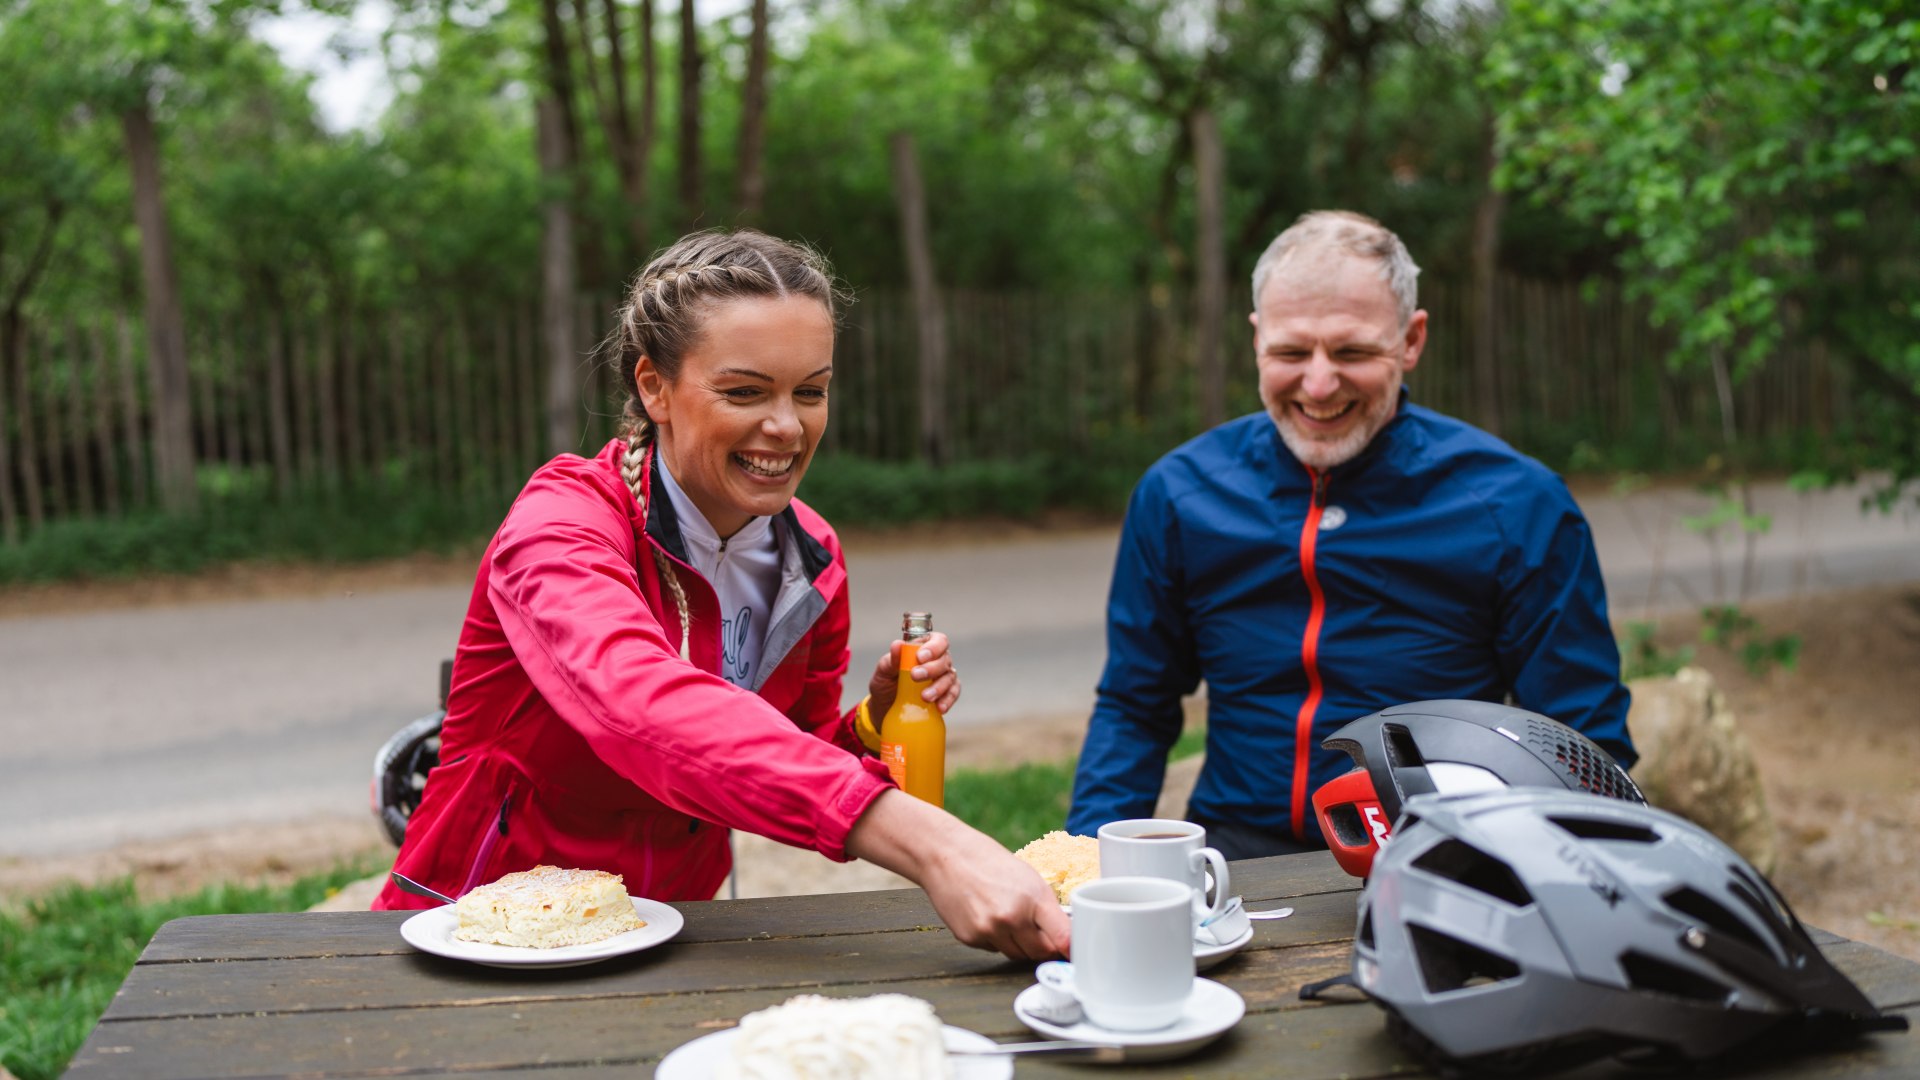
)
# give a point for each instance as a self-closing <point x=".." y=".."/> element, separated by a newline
<point x="633" y="469"/>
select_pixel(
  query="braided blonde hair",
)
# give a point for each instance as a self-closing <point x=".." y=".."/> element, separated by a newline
<point x="662" y="318"/>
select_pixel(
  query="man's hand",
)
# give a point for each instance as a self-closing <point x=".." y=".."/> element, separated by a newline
<point x="935" y="666"/>
<point x="986" y="896"/>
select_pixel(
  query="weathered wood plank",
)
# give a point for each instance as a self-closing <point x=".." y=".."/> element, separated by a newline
<point x="364" y="982"/>
<point x="1889" y="981"/>
<point x="301" y="934"/>
<point x="501" y="1034"/>
<point x="155" y="991"/>
<point x="1280" y="1036"/>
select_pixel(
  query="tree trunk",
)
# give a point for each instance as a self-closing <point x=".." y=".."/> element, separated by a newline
<point x="690" y="208"/>
<point x="11" y="348"/>
<point x="166" y="328"/>
<point x="649" y="116"/>
<point x="13" y="342"/>
<point x="559" y="72"/>
<point x="557" y="284"/>
<point x="1486" y="268"/>
<point x="911" y="198"/>
<point x="1210" y="258"/>
<point x="753" y="109"/>
<point x="617" y="120"/>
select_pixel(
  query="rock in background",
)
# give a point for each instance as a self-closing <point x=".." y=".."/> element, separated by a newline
<point x="1695" y="762"/>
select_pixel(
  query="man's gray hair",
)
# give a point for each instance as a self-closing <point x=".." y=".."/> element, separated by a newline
<point x="1323" y="232"/>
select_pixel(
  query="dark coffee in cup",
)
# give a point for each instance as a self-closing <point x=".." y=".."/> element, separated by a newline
<point x="1160" y="835"/>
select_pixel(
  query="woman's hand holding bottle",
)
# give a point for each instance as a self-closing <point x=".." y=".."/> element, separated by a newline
<point x="935" y="669"/>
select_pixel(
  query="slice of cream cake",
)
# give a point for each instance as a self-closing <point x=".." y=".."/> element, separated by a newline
<point x="1066" y="862"/>
<point x="811" y="1037"/>
<point x="547" y="907"/>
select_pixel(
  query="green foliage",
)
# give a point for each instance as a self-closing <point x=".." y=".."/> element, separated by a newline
<point x="1756" y="162"/>
<point x="1738" y="632"/>
<point x="241" y="519"/>
<point x="1723" y="626"/>
<point x="1643" y="657"/>
<point x="238" y="524"/>
<point x="63" y="956"/>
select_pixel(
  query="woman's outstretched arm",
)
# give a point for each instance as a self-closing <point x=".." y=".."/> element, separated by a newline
<point x="986" y="896"/>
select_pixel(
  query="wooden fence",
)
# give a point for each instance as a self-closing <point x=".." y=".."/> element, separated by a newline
<point x="448" y="400"/>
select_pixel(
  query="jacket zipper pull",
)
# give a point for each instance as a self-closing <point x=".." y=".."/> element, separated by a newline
<point x="1319" y="487"/>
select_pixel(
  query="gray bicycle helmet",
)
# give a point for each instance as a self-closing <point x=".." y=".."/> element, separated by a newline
<point x="1527" y="930"/>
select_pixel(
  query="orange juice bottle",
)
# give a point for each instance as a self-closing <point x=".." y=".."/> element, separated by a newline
<point x="913" y="735"/>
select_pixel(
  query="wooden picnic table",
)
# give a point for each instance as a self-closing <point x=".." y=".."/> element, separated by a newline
<point x="339" y="994"/>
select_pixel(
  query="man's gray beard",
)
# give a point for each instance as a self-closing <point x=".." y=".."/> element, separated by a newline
<point x="1320" y="454"/>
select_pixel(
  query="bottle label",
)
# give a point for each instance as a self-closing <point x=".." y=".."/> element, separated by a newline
<point x="894" y="757"/>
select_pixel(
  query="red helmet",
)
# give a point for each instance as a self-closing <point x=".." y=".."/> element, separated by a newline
<point x="1352" y="821"/>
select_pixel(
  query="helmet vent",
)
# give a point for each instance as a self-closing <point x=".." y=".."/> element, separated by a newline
<point x="1365" y="936"/>
<point x="1589" y="767"/>
<point x="1782" y="929"/>
<point x="1477" y="870"/>
<point x="1402" y="752"/>
<point x="1348" y="830"/>
<point x="1769" y="896"/>
<point x="1657" y="976"/>
<point x="1592" y="829"/>
<point x="1710" y="913"/>
<point x="1448" y="964"/>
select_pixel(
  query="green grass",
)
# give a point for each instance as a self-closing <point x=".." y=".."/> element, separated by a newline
<point x="1027" y="801"/>
<point x="63" y="956"/>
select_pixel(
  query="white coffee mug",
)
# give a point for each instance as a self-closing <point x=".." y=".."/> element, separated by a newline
<point x="1132" y="951"/>
<point x="1166" y="848"/>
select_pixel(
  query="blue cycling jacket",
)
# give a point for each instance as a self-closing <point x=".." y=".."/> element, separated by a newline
<point x="1439" y="563"/>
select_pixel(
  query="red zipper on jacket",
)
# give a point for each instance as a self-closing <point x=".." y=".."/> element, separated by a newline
<point x="1309" y="654"/>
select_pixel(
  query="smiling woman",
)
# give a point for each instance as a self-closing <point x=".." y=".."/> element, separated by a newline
<point x="655" y="646"/>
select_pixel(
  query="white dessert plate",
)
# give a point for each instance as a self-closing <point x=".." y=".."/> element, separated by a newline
<point x="1211" y="1010"/>
<point x="701" y="1058"/>
<point x="432" y="931"/>
<point x="1206" y="956"/>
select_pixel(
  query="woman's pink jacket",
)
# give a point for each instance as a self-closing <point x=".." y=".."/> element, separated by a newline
<point x="576" y="735"/>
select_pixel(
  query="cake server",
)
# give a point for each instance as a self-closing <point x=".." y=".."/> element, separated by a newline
<point x="407" y="884"/>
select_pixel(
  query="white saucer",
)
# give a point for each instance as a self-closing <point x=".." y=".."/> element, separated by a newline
<point x="1206" y="956"/>
<point x="701" y="1058"/>
<point x="432" y="931"/>
<point x="1211" y="1010"/>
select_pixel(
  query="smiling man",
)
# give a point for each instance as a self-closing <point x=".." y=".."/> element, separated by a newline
<point x="1346" y="551"/>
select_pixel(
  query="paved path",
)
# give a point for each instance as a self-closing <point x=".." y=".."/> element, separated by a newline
<point x="153" y="722"/>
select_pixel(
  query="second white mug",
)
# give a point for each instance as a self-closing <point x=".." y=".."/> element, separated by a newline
<point x="1166" y="848"/>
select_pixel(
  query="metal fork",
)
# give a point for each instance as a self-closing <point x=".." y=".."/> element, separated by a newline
<point x="1099" y="1052"/>
<point x="407" y="884"/>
